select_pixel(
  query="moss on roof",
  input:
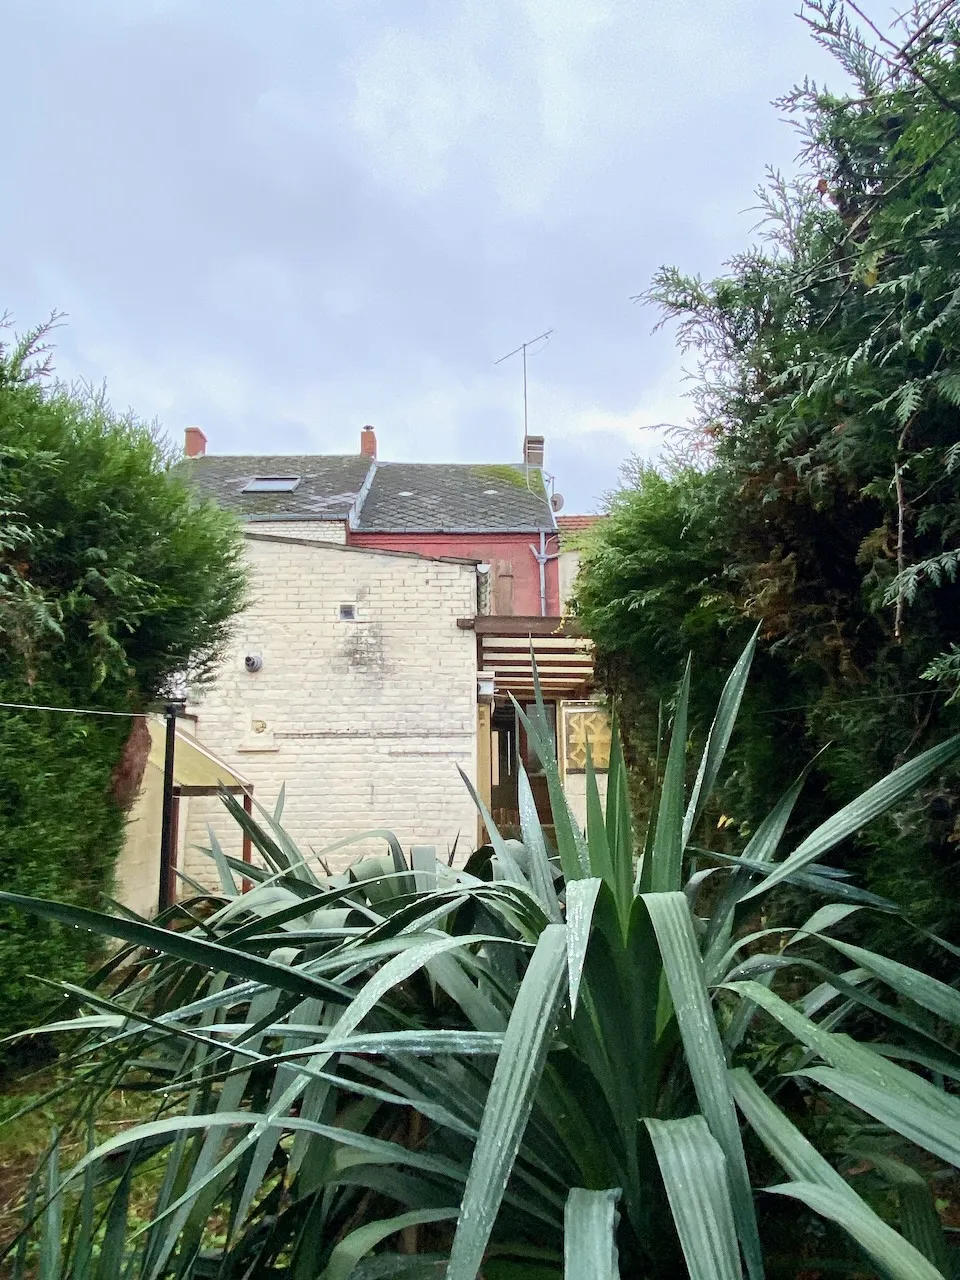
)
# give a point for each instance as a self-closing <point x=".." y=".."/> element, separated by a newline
<point x="455" y="498"/>
<point x="500" y="473"/>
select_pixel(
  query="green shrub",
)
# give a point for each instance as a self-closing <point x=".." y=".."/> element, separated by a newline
<point x="60" y="832"/>
<point x="112" y="580"/>
<point x="817" y="491"/>
<point x="543" y="1064"/>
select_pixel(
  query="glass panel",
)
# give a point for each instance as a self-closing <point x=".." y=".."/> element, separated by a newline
<point x="271" y="484"/>
<point x="582" y="725"/>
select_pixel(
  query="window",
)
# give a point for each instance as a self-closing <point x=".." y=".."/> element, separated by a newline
<point x="348" y="613"/>
<point x="271" y="484"/>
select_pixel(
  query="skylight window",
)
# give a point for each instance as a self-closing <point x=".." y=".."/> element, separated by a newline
<point x="271" y="484"/>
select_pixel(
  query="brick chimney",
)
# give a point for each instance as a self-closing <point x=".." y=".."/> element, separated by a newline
<point x="368" y="443"/>
<point x="533" y="451"/>
<point x="194" y="442"/>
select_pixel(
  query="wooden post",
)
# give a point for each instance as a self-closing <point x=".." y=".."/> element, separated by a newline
<point x="174" y="843"/>
<point x="484" y="764"/>
<point x="168" y="831"/>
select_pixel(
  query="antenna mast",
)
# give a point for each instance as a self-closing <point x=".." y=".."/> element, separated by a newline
<point x="522" y="350"/>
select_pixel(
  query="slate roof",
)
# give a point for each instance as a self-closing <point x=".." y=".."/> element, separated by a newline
<point x="424" y="497"/>
<point x="403" y="497"/>
<point x="328" y="488"/>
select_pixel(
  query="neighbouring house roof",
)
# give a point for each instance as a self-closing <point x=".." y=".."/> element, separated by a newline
<point x="385" y="497"/>
<point x="575" y="524"/>
<point x="573" y="528"/>
<point x="328" y="489"/>
<point x="419" y="497"/>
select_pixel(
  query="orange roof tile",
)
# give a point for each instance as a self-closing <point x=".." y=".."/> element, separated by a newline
<point x="573" y="524"/>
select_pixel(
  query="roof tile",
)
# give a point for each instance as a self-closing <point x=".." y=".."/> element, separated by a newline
<point x="403" y="497"/>
<point x="573" y="524"/>
<point x="328" y="487"/>
<point x="424" y="497"/>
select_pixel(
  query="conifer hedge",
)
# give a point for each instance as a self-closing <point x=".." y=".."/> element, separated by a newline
<point x="113" y="578"/>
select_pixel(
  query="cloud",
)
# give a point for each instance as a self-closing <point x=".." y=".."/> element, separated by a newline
<point x="502" y="94"/>
<point x="280" y="222"/>
<point x="410" y="113"/>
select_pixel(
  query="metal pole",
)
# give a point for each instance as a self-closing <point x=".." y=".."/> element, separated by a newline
<point x="167" y="833"/>
<point x="522" y="350"/>
<point x="247" y="854"/>
<point x="525" y="431"/>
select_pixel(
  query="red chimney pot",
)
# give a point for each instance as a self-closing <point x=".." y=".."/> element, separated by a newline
<point x="194" y="442"/>
<point x="368" y="443"/>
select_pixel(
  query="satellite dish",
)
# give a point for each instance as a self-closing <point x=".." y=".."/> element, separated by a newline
<point x="556" y="501"/>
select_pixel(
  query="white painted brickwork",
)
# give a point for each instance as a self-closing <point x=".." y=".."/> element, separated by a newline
<point x="569" y="567"/>
<point x="311" y="530"/>
<point x="364" y="721"/>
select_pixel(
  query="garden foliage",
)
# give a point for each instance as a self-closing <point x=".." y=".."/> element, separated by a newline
<point x="112" y="580"/>
<point x="818" y="490"/>
<point x="572" y="1063"/>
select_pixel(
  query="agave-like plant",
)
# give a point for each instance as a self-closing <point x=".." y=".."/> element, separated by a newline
<point x="586" y="1061"/>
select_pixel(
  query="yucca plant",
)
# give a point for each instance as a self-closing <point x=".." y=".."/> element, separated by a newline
<point x="547" y="1062"/>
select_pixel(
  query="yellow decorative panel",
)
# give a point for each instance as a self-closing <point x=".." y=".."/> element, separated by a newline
<point x="582" y="725"/>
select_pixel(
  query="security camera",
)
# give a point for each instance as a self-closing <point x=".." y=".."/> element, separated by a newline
<point x="253" y="662"/>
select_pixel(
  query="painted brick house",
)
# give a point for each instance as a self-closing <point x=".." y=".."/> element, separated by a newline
<point x="394" y="606"/>
<point x="349" y="683"/>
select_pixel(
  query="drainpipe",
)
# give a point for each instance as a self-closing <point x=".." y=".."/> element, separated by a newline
<point x="542" y="558"/>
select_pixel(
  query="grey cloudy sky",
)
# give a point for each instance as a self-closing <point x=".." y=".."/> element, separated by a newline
<point x="280" y="220"/>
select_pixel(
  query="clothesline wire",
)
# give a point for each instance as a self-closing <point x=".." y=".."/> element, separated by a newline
<point x="74" y="711"/>
<point x="771" y="711"/>
<point x="853" y="702"/>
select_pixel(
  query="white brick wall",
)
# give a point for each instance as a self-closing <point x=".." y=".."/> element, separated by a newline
<point x="569" y="567"/>
<point x="364" y="721"/>
<point x="312" y="530"/>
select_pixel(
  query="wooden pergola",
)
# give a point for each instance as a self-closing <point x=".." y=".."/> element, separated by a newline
<point x="508" y="647"/>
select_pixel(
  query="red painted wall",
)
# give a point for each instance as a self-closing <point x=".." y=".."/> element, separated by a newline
<point x="515" y="588"/>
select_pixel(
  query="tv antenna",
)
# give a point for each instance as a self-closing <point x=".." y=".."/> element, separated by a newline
<point x="522" y="350"/>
